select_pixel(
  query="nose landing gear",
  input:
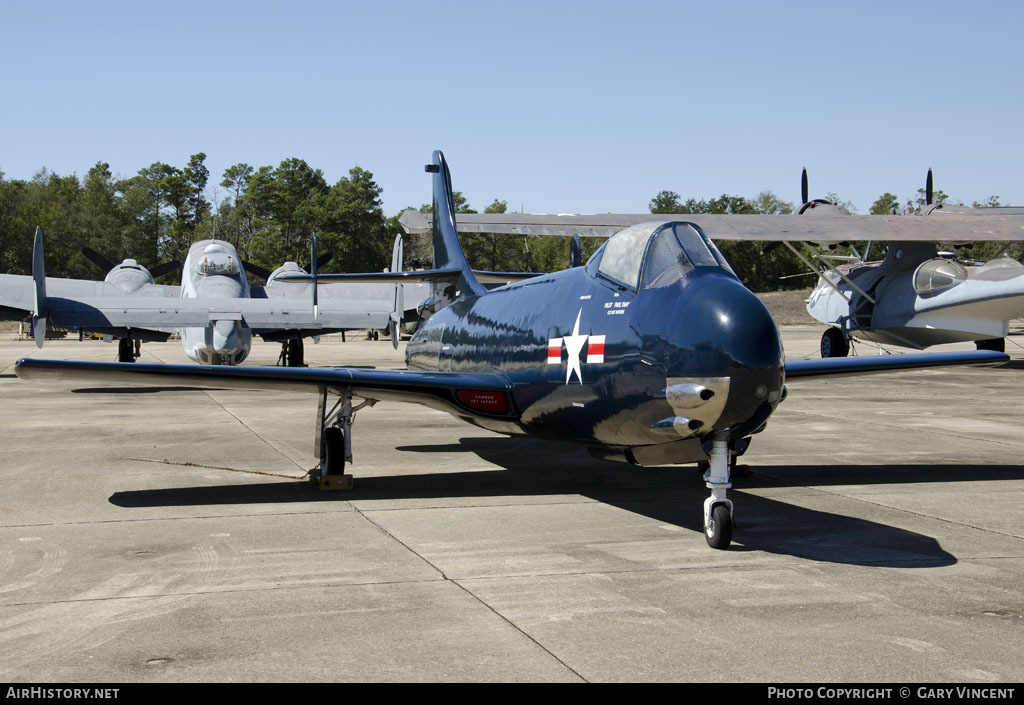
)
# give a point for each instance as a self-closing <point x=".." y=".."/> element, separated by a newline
<point x="718" y="509"/>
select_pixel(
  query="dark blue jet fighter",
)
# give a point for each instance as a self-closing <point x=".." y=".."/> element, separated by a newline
<point x="653" y="352"/>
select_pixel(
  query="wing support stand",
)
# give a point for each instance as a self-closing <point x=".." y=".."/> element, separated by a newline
<point x="718" y="509"/>
<point x="334" y="440"/>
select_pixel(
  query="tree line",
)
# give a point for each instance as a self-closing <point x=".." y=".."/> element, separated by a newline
<point x="269" y="213"/>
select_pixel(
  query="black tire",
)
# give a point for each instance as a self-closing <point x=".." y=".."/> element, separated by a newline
<point x="997" y="344"/>
<point x="296" y="353"/>
<point x="334" y="451"/>
<point x="125" y="350"/>
<point x="834" y="343"/>
<point x="719" y="533"/>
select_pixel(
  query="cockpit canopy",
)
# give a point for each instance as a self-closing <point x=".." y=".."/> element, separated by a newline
<point x="654" y="255"/>
<point x="937" y="275"/>
<point x="216" y="260"/>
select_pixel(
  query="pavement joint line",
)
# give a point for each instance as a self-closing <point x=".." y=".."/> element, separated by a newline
<point x="469" y="592"/>
<point x="246" y="426"/>
<point x="519" y="629"/>
<point x="189" y="464"/>
<point x="458" y="582"/>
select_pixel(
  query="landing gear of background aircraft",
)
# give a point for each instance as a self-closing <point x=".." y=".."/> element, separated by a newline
<point x="128" y="350"/>
<point x="292" y="353"/>
<point x="834" y="343"/>
<point x="997" y="344"/>
<point x="718" y="509"/>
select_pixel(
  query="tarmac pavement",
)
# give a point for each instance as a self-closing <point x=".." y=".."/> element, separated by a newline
<point x="170" y="536"/>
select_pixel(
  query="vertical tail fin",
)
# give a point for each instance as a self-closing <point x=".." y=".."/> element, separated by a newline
<point x="39" y="280"/>
<point x="448" y="252"/>
<point x="575" y="251"/>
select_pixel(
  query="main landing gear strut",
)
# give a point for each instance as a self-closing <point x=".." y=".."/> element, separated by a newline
<point x="334" y="440"/>
<point x="128" y="350"/>
<point x="292" y="353"/>
<point x="718" y="509"/>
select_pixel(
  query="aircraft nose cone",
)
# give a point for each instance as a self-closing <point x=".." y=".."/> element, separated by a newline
<point x="728" y="332"/>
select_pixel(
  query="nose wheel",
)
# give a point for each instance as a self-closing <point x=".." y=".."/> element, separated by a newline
<point x="718" y="509"/>
<point x="718" y="530"/>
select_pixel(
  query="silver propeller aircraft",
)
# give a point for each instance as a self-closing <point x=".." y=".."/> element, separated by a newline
<point x="653" y="352"/>
<point x="914" y="297"/>
<point x="215" y="310"/>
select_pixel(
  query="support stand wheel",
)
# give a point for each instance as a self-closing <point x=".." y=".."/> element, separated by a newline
<point x="718" y="532"/>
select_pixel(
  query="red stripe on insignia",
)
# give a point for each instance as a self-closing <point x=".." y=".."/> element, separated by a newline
<point x="554" y="351"/>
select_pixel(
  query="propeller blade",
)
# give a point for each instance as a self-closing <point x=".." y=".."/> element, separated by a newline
<point x="99" y="260"/>
<point x="320" y="261"/>
<point x="257" y="270"/>
<point x="928" y="189"/>
<point x="165" y="267"/>
<point x="803" y="187"/>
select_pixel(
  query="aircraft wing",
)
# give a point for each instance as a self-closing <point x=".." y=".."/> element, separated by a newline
<point x="410" y="277"/>
<point x="17" y="291"/>
<point x="953" y="227"/>
<point x="455" y="392"/>
<point x="449" y="391"/>
<point x="96" y="305"/>
<point x="833" y="366"/>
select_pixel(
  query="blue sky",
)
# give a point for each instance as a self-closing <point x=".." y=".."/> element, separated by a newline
<point x="557" y="106"/>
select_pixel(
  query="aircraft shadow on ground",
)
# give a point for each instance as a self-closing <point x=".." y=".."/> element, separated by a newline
<point x="141" y="390"/>
<point x="672" y="495"/>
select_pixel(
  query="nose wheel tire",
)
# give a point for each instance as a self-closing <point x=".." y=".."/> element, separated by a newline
<point x="718" y="532"/>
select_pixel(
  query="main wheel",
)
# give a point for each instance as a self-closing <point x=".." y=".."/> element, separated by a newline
<point x="125" y="350"/>
<point x="834" y="343"/>
<point x="295" y="355"/>
<point x="334" y="451"/>
<point x="719" y="533"/>
<point x="997" y="344"/>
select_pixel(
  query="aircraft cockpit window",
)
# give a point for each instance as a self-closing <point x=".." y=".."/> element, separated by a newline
<point x="695" y="246"/>
<point x="624" y="252"/>
<point x="666" y="262"/>
<point x="937" y="275"/>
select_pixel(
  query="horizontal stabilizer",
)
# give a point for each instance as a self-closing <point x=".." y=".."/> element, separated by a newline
<point x="832" y="366"/>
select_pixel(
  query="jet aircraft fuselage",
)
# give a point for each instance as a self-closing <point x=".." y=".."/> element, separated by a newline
<point x="638" y="356"/>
